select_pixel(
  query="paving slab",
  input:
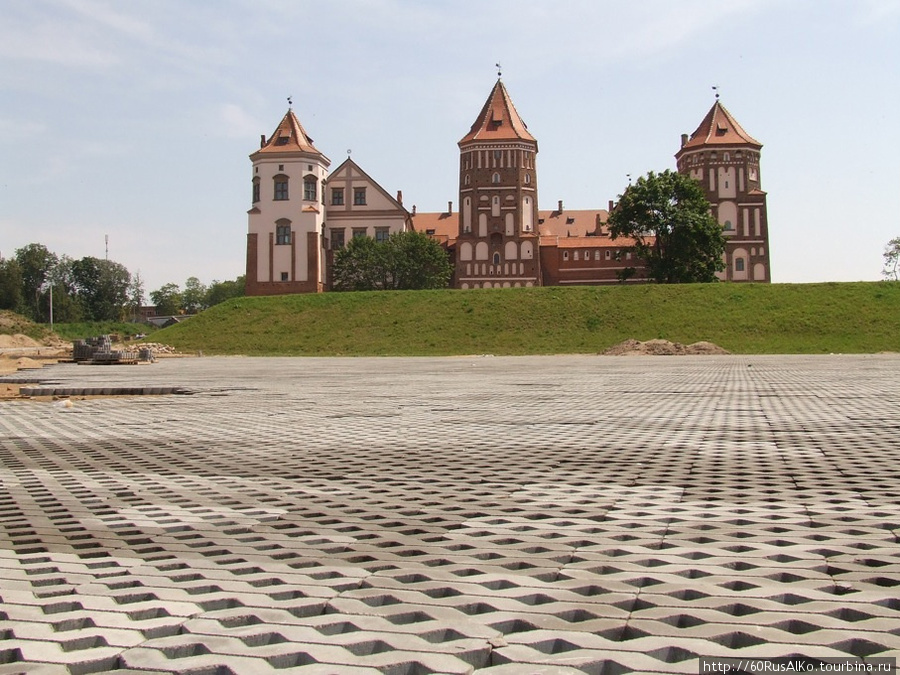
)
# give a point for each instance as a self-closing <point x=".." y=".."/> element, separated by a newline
<point x="451" y="515"/>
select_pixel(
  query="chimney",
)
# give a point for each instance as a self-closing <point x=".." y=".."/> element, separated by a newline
<point x="449" y="207"/>
<point x="560" y="206"/>
<point x="262" y="140"/>
<point x="414" y="210"/>
<point x="400" y="197"/>
<point x="684" y="140"/>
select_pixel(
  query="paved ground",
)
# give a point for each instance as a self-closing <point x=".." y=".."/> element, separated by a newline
<point x="499" y="515"/>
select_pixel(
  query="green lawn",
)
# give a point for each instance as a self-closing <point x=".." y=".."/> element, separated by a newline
<point x="861" y="317"/>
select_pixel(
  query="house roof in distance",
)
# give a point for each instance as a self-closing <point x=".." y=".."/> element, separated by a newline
<point x="719" y="128"/>
<point x="498" y="120"/>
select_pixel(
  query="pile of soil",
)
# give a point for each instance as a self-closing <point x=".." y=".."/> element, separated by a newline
<point x="17" y="340"/>
<point x="662" y="348"/>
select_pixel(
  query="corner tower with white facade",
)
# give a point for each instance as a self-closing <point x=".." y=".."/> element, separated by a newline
<point x="725" y="159"/>
<point x="498" y="241"/>
<point x="284" y="249"/>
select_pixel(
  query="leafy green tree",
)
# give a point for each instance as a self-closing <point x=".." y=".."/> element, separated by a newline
<point x="167" y="299"/>
<point x="406" y="261"/>
<point x="220" y="291"/>
<point x="193" y="298"/>
<point x="891" y="268"/>
<point x="360" y="266"/>
<point x="417" y="262"/>
<point x="11" y="285"/>
<point x="36" y="262"/>
<point x="668" y="217"/>
<point x="136" y="296"/>
<point x="66" y="305"/>
<point x="101" y="287"/>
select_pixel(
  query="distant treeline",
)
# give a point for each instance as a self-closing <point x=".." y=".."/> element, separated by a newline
<point x="91" y="289"/>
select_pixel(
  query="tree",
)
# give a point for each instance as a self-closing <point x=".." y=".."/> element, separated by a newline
<point x="11" y="285"/>
<point x="193" y="298"/>
<point x="220" y="291"/>
<point x="66" y="305"/>
<point x="892" y="260"/>
<point x="136" y="296"/>
<point x="406" y="261"/>
<point x="101" y="287"/>
<point x="668" y="217"/>
<point x="167" y="299"/>
<point x="417" y="262"/>
<point x="36" y="262"/>
<point x="360" y="266"/>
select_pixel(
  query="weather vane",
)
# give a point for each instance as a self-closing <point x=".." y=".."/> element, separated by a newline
<point x="349" y="151"/>
<point x="716" y="89"/>
<point x="498" y="70"/>
<point x="290" y="101"/>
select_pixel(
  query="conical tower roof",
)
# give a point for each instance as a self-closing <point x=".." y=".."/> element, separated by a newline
<point x="289" y="136"/>
<point x="719" y="128"/>
<point x="498" y="120"/>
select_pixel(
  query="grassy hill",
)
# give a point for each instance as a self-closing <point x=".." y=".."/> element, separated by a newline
<point x="778" y="318"/>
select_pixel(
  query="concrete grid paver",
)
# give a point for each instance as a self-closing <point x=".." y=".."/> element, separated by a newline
<point x="458" y="515"/>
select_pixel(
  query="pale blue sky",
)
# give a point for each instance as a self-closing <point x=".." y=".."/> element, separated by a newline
<point x="136" y="119"/>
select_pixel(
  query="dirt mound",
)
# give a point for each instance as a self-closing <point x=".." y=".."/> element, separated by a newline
<point x="26" y="363"/>
<point x="662" y="348"/>
<point x="17" y="340"/>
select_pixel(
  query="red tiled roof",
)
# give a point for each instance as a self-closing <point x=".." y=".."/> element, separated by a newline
<point x="570" y="223"/>
<point x="587" y="242"/>
<point x="719" y="128"/>
<point x="289" y="136"/>
<point x="566" y="224"/>
<point x="498" y="120"/>
<point x="444" y="224"/>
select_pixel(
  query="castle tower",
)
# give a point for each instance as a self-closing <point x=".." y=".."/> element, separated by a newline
<point x="725" y="159"/>
<point x="498" y="240"/>
<point x="284" y="253"/>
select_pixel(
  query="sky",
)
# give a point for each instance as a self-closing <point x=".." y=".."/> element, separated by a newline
<point x="125" y="128"/>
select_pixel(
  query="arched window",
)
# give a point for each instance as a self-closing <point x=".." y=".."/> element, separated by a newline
<point x="738" y="264"/>
<point x="527" y="179"/>
<point x="309" y="188"/>
<point x="468" y="179"/>
<point x="495" y="179"/>
<point x="496" y="258"/>
<point x="281" y="187"/>
<point x="495" y="206"/>
<point x="282" y="231"/>
<point x="728" y="225"/>
<point x="256" y="189"/>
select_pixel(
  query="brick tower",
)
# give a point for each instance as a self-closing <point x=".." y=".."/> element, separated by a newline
<point x="725" y="159"/>
<point x="498" y="240"/>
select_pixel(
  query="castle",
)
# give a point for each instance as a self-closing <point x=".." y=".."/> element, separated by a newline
<point x="301" y="214"/>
